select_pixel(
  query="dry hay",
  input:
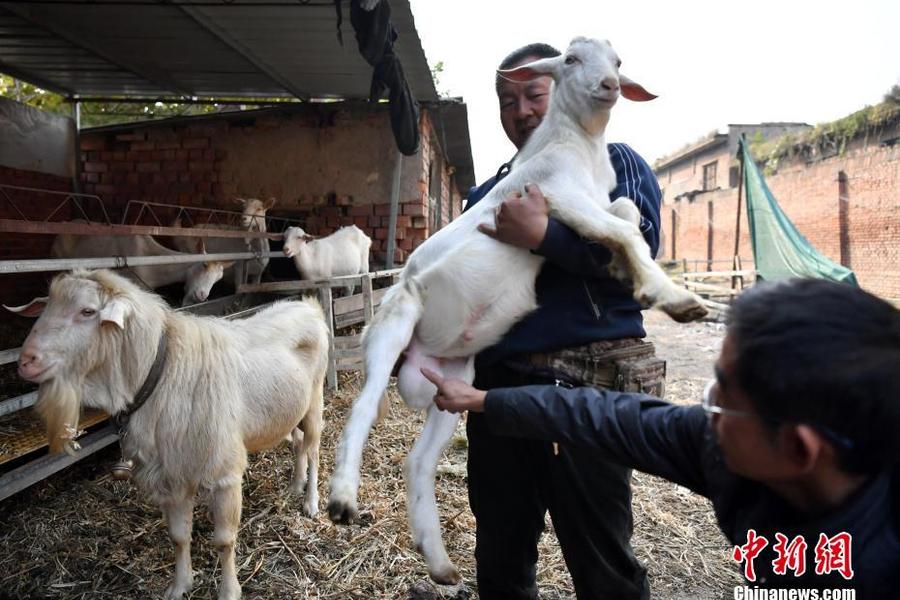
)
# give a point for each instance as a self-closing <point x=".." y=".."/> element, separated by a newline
<point x="82" y="534"/>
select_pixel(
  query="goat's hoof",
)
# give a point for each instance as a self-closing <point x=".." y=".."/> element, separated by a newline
<point x="177" y="590"/>
<point x="311" y="507"/>
<point x="231" y="592"/>
<point x="341" y="512"/>
<point x="448" y="575"/>
<point x="686" y="310"/>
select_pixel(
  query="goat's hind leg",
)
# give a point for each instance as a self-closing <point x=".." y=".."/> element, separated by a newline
<point x="652" y="287"/>
<point x="421" y="465"/>
<point x="179" y="513"/>
<point x="308" y="457"/>
<point x="383" y="342"/>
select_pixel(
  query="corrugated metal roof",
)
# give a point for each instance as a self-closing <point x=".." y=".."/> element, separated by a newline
<point x="173" y="48"/>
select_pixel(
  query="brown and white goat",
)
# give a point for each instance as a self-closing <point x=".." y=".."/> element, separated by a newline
<point x="226" y="388"/>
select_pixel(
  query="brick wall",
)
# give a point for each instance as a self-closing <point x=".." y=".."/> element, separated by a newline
<point x="19" y="289"/>
<point x="810" y="195"/>
<point x="327" y="166"/>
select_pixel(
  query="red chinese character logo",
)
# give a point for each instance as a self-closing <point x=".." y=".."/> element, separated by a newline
<point x="750" y="551"/>
<point x="790" y="556"/>
<point x="833" y="554"/>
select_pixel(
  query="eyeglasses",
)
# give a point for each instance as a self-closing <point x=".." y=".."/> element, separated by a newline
<point x="710" y="407"/>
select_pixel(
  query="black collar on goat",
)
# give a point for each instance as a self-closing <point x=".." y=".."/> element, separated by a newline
<point x="122" y="469"/>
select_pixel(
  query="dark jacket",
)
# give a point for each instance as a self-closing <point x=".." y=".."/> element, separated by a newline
<point x="676" y="443"/>
<point x="579" y="302"/>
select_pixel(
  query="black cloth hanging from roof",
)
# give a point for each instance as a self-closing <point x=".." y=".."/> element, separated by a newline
<point x="375" y="36"/>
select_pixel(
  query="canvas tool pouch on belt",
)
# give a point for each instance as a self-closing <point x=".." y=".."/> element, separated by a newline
<point x="626" y="365"/>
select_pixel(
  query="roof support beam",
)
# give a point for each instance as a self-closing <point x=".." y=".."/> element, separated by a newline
<point x="38" y="81"/>
<point x="208" y="24"/>
<point x="251" y="101"/>
<point x="153" y="75"/>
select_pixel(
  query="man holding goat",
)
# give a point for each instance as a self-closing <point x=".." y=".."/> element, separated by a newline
<point x="585" y="319"/>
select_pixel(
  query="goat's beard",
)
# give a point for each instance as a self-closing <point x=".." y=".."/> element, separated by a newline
<point x="58" y="404"/>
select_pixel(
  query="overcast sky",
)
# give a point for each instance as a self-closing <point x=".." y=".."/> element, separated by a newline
<point x="712" y="62"/>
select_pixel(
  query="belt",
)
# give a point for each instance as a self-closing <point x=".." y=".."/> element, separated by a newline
<point x="596" y="364"/>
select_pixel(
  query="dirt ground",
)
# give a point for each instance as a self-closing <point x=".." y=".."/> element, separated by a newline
<point x="81" y="534"/>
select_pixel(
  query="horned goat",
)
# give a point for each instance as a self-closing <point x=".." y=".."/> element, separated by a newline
<point x="462" y="290"/>
<point x="223" y="389"/>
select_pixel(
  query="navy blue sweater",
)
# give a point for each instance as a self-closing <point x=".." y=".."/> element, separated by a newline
<point x="677" y="443"/>
<point x="578" y="301"/>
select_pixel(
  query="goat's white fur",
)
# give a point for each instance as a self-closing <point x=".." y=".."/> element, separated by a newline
<point x="253" y="219"/>
<point x="461" y="290"/>
<point x="228" y="388"/>
<point x="344" y="252"/>
<point x="198" y="278"/>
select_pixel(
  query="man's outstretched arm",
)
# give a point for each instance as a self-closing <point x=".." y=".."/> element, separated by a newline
<point x="638" y="431"/>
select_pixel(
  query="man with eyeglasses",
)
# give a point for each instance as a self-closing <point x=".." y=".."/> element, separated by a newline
<point x="798" y="435"/>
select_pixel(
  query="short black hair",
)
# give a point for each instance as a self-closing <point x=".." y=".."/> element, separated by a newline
<point x="537" y="49"/>
<point x="827" y="354"/>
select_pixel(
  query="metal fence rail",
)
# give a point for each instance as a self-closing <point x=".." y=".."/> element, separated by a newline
<point x="40" y="265"/>
<point x="94" y="217"/>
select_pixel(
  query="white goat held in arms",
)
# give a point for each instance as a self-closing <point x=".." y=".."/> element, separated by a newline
<point x="222" y="389"/>
<point x="462" y="290"/>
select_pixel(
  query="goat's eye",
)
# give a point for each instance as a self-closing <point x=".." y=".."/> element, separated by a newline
<point x="618" y="63"/>
<point x="88" y="312"/>
<point x="571" y="60"/>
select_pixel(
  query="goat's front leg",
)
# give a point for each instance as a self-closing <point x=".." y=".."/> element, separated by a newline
<point x="226" y="515"/>
<point x="179" y="514"/>
<point x="423" y="516"/>
<point x="652" y="287"/>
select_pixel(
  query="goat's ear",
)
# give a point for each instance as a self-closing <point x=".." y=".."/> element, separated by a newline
<point x="200" y="246"/>
<point x="115" y="312"/>
<point x="633" y="90"/>
<point x="32" y="309"/>
<point x="532" y="70"/>
<point x="270" y="203"/>
<point x="307" y="238"/>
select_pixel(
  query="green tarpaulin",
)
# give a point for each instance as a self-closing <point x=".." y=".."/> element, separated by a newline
<point x="780" y="251"/>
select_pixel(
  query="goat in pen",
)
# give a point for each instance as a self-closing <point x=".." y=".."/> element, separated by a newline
<point x="193" y="395"/>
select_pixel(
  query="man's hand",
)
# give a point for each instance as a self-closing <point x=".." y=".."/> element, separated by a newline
<point x="521" y="220"/>
<point x="454" y="395"/>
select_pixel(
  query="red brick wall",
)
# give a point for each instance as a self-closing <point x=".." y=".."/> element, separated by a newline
<point x="810" y="196"/>
<point x="19" y="289"/>
<point x="327" y="166"/>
